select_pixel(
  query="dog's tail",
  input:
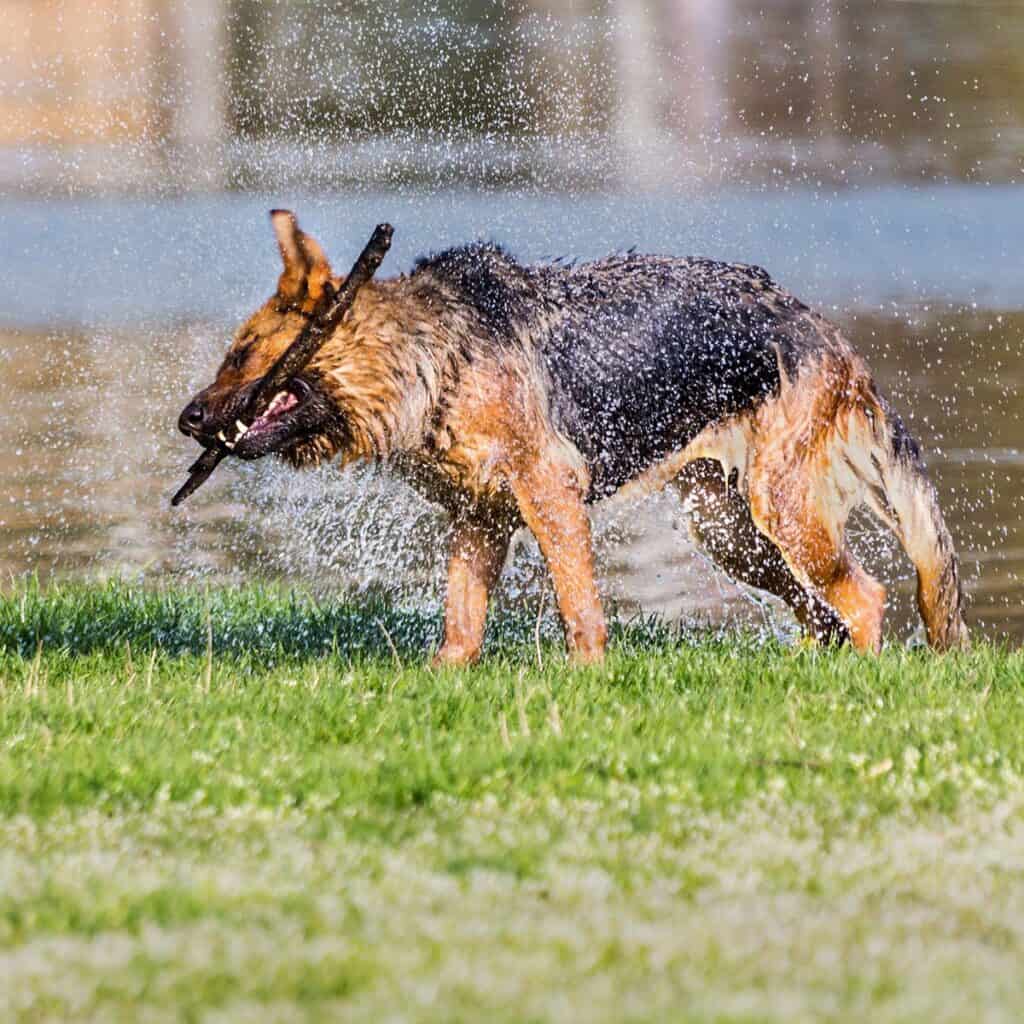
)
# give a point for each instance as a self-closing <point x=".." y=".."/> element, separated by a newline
<point x="899" y="491"/>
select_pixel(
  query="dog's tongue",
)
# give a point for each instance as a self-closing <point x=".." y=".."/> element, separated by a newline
<point x="282" y="402"/>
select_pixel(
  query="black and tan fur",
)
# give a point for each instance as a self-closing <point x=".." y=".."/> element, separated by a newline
<point x="517" y="395"/>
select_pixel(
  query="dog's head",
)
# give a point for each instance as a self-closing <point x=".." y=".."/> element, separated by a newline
<point x="302" y="421"/>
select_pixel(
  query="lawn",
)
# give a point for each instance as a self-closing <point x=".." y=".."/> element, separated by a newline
<point x="250" y="805"/>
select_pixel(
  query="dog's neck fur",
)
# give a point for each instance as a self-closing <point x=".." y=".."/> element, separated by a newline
<point x="384" y="369"/>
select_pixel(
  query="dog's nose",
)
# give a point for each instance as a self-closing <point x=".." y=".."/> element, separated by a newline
<point x="190" y="421"/>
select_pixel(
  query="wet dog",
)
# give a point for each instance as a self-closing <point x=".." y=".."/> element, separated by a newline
<point x="514" y="395"/>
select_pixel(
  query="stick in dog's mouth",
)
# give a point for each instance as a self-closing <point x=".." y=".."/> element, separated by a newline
<point x="277" y="393"/>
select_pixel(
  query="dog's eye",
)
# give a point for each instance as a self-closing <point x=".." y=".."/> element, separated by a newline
<point x="237" y="357"/>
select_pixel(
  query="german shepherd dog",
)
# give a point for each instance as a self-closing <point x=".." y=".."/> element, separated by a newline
<point x="515" y="395"/>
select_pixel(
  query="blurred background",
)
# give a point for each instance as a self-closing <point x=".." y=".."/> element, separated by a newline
<point x="150" y="95"/>
<point x="869" y="154"/>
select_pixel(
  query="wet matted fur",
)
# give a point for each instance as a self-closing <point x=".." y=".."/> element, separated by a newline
<point x="514" y="395"/>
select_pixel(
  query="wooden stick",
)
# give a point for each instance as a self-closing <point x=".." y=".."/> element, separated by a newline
<point x="198" y="473"/>
<point x="297" y="356"/>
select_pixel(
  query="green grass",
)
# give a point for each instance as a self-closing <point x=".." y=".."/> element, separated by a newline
<point x="248" y="805"/>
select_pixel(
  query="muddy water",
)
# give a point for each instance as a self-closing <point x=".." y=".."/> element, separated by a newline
<point x="89" y="453"/>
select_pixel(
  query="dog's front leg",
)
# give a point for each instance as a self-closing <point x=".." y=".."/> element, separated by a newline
<point x="478" y="548"/>
<point x="552" y="506"/>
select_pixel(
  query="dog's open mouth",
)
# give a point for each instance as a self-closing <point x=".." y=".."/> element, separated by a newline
<point x="281" y="423"/>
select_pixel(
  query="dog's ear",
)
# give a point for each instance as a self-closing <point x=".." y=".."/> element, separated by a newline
<point x="306" y="269"/>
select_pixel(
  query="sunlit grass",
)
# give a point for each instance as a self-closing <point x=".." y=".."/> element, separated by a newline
<point x="255" y="803"/>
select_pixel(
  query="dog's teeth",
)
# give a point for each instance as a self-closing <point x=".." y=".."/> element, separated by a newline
<point x="230" y="444"/>
<point x="242" y="428"/>
<point x="221" y="437"/>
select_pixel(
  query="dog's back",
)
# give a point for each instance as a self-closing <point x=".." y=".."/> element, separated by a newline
<point x="641" y="353"/>
<point x="652" y="350"/>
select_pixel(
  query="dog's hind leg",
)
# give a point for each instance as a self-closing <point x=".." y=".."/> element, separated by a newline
<point x="794" y="504"/>
<point x="478" y="549"/>
<point x="721" y="524"/>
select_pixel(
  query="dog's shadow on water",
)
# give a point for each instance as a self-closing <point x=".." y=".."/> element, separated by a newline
<point x="264" y="624"/>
